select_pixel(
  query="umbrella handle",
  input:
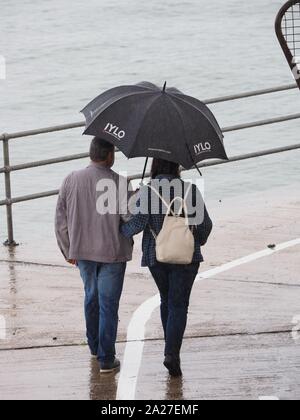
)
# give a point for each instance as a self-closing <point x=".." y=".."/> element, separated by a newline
<point x="197" y="167"/>
<point x="144" y="172"/>
<point x="191" y="156"/>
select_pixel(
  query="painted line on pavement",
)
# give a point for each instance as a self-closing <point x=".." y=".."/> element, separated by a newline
<point x="137" y="328"/>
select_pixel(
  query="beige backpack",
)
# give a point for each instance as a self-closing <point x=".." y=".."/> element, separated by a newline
<point x="175" y="243"/>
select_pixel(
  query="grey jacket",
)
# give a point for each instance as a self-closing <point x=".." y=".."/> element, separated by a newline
<point x="82" y="229"/>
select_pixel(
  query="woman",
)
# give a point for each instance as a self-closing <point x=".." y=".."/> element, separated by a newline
<point x="174" y="282"/>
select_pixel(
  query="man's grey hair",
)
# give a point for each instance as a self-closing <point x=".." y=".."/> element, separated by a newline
<point x="100" y="149"/>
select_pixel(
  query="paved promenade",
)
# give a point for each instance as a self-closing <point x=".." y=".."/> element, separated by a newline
<point x="242" y="341"/>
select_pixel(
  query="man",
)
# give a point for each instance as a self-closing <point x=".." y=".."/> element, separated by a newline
<point x="90" y="238"/>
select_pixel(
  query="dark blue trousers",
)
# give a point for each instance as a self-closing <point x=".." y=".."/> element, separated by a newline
<point x="175" y="283"/>
<point x="103" y="285"/>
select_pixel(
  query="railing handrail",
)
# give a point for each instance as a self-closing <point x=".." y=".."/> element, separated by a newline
<point x="212" y="163"/>
<point x="63" y="127"/>
<point x="62" y="159"/>
<point x="8" y="168"/>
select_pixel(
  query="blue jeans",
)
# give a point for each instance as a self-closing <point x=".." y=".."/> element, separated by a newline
<point x="103" y="285"/>
<point x="175" y="283"/>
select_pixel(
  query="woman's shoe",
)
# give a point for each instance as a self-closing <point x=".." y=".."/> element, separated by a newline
<point x="110" y="367"/>
<point x="173" y="366"/>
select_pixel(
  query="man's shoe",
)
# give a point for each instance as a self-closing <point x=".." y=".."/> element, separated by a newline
<point x="110" y="367"/>
<point x="173" y="366"/>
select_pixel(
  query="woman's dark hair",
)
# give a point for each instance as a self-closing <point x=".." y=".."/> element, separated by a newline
<point x="100" y="149"/>
<point x="164" y="167"/>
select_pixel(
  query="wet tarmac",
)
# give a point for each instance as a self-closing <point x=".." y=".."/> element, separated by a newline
<point x="242" y="339"/>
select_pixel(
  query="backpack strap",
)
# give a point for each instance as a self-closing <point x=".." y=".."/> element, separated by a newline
<point x="162" y="199"/>
<point x="153" y="233"/>
<point x="184" y="200"/>
<point x="183" y="206"/>
<point x="169" y="206"/>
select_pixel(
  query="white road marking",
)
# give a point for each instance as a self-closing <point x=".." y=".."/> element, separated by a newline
<point x="137" y="327"/>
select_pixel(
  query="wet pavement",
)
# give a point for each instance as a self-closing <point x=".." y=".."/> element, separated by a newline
<point x="229" y="368"/>
<point x="241" y="341"/>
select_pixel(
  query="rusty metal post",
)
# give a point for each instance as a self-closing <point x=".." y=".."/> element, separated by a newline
<point x="9" y="217"/>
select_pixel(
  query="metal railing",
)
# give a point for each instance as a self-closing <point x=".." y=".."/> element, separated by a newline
<point x="7" y="169"/>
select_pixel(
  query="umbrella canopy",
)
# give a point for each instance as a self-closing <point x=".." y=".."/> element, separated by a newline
<point x="145" y="121"/>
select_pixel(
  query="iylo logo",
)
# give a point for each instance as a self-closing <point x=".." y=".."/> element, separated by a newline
<point x="202" y="148"/>
<point x="115" y="131"/>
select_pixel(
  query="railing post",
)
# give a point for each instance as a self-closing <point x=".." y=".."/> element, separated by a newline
<point x="10" y="230"/>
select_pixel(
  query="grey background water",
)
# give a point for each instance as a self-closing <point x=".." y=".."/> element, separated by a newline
<point x="61" y="54"/>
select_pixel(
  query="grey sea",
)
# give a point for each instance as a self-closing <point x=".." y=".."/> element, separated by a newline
<point x="61" y="54"/>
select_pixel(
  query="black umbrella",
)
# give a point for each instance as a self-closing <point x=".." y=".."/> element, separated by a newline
<point x="145" y="121"/>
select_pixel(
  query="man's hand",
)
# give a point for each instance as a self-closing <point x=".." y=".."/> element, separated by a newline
<point x="72" y="262"/>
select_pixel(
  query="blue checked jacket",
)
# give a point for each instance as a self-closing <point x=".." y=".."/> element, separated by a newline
<point x="145" y="222"/>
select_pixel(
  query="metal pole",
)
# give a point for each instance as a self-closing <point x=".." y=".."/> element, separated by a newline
<point x="10" y="231"/>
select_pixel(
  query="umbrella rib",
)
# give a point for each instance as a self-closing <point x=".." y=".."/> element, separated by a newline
<point x="187" y="145"/>
<point x="113" y="103"/>
<point x="138" y="133"/>
<point x="185" y="140"/>
<point x="142" y="90"/>
<point x="194" y="107"/>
